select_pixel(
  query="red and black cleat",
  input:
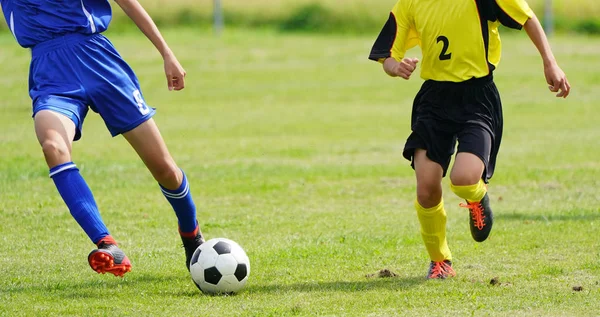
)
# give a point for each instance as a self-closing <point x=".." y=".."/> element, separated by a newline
<point x="108" y="258"/>
<point x="191" y="242"/>
<point x="440" y="270"/>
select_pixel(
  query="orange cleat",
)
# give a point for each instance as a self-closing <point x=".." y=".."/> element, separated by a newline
<point x="440" y="270"/>
<point x="109" y="258"/>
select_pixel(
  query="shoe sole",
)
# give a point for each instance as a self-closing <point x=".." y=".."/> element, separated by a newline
<point x="441" y="277"/>
<point x="480" y="239"/>
<point x="104" y="262"/>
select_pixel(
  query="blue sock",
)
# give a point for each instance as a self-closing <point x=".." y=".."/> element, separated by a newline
<point x="79" y="199"/>
<point x="183" y="205"/>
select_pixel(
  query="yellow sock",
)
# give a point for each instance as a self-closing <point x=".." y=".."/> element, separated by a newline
<point x="471" y="193"/>
<point x="433" y="231"/>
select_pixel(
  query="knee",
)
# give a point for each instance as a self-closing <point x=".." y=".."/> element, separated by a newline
<point x="168" y="175"/>
<point x="56" y="152"/>
<point x="464" y="179"/>
<point x="429" y="194"/>
<point x="467" y="170"/>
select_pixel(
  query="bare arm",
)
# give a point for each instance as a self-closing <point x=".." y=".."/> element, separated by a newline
<point x="555" y="77"/>
<point x="173" y="70"/>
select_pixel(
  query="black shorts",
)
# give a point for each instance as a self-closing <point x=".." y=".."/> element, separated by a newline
<point x="469" y="112"/>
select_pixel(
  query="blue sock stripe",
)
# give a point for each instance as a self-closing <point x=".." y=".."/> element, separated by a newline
<point x="179" y="195"/>
<point x="62" y="167"/>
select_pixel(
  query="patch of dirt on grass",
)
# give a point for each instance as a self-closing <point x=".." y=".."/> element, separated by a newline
<point x="495" y="281"/>
<point x="383" y="273"/>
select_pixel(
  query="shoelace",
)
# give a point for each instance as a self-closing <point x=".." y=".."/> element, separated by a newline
<point x="438" y="270"/>
<point x="476" y="213"/>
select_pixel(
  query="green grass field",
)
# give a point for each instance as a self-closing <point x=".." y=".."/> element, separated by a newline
<point x="293" y="147"/>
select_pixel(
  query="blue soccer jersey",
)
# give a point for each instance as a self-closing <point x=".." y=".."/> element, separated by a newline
<point x="35" y="21"/>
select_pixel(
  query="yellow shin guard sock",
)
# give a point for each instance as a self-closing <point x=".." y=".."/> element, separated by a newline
<point x="433" y="231"/>
<point x="470" y="193"/>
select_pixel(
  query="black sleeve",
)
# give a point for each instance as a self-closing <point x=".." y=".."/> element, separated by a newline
<point x="506" y="19"/>
<point x="383" y="45"/>
<point x="491" y="11"/>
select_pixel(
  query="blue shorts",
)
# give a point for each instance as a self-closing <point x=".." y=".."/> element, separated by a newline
<point x="76" y="71"/>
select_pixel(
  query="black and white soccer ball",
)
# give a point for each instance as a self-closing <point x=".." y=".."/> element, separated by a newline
<point x="220" y="266"/>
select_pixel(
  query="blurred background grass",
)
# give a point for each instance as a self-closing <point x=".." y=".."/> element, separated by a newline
<point x="328" y="16"/>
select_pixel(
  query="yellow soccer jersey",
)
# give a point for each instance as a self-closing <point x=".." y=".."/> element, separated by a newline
<point x="459" y="38"/>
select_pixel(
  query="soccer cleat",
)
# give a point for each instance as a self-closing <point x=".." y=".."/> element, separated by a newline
<point x="191" y="244"/>
<point x="109" y="258"/>
<point x="481" y="218"/>
<point x="440" y="270"/>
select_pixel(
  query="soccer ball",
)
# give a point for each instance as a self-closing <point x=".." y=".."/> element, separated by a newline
<point x="220" y="266"/>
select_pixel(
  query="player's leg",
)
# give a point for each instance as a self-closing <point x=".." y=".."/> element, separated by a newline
<point x="115" y="94"/>
<point x="478" y="145"/>
<point x="432" y="215"/>
<point x="55" y="133"/>
<point x="150" y="146"/>
<point x="59" y="107"/>
<point x="430" y="147"/>
<point x="467" y="179"/>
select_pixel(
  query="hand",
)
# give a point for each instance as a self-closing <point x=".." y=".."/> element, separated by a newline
<point x="406" y="67"/>
<point x="400" y="69"/>
<point x="175" y="73"/>
<point x="557" y="80"/>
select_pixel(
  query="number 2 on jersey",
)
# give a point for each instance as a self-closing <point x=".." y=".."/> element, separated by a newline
<point x="444" y="55"/>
